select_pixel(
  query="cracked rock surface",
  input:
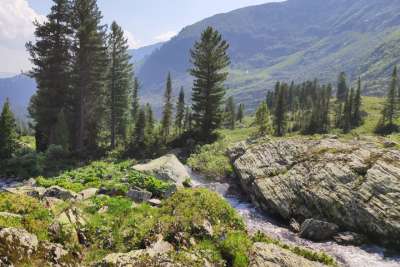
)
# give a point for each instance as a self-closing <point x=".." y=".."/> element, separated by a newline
<point x="354" y="184"/>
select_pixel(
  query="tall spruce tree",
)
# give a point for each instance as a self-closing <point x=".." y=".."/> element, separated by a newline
<point x="357" y="102"/>
<point x="279" y="121"/>
<point x="8" y="132"/>
<point x="263" y="119"/>
<point x="62" y="134"/>
<point x="342" y="89"/>
<point x="135" y="99"/>
<point x="180" y="112"/>
<point x="149" y="120"/>
<point x="188" y="120"/>
<point x="140" y="129"/>
<point x="230" y="113"/>
<point x="390" y="111"/>
<point x="240" y="113"/>
<point x="209" y="58"/>
<point x="120" y="81"/>
<point x="52" y="62"/>
<point x="347" y="112"/>
<point x="91" y="66"/>
<point x="166" y="121"/>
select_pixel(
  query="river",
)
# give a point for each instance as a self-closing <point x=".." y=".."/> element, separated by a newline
<point x="256" y="220"/>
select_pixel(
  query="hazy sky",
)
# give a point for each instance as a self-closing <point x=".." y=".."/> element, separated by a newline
<point x="144" y="21"/>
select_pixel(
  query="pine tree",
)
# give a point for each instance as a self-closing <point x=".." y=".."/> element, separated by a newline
<point x="356" y="116"/>
<point x="389" y="113"/>
<point x="8" y="132"/>
<point x="188" y="119"/>
<point x="90" y="74"/>
<point x="149" y="120"/>
<point x="347" y="112"/>
<point x="230" y="111"/>
<point x="209" y="58"/>
<point x="120" y="80"/>
<point x="263" y="119"/>
<point x="180" y="112"/>
<point x="240" y="113"/>
<point x="52" y="60"/>
<point x="139" y="137"/>
<point x="62" y="136"/>
<point x="166" y="121"/>
<point x="280" y="111"/>
<point x="135" y="99"/>
<point x="342" y="89"/>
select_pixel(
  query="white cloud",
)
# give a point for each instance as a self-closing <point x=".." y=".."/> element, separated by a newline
<point x="132" y="41"/>
<point x="165" y="36"/>
<point x="16" y="28"/>
<point x="16" y="20"/>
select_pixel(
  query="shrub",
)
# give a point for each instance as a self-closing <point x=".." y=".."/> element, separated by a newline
<point x="188" y="208"/>
<point x="211" y="160"/>
<point x="36" y="218"/>
<point x="235" y="249"/>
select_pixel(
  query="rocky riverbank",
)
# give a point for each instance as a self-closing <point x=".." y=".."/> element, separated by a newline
<point x="325" y="186"/>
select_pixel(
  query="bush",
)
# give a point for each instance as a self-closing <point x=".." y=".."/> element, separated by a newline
<point x="235" y="249"/>
<point x="189" y="208"/>
<point x="211" y="160"/>
<point x="109" y="175"/>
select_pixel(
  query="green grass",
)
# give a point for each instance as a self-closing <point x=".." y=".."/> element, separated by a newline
<point x="35" y="217"/>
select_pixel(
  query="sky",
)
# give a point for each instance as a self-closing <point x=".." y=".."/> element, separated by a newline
<point x="144" y="21"/>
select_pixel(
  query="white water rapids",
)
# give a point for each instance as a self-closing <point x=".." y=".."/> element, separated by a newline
<point x="256" y="220"/>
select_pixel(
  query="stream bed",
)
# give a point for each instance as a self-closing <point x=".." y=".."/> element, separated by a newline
<point x="256" y="220"/>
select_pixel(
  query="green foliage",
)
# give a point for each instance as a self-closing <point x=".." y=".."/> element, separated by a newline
<point x="240" y="113"/>
<point x="209" y="58"/>
<point x="61" y="132"/>
<point x="109" y="175"/>
<point x="8" y="133"/>
<point x="279" y="114"/>
<point x="188" y="208"/>
<point x="35" y="218"/>
<point x="211" y="160"/>
<point x="235" y="249"/>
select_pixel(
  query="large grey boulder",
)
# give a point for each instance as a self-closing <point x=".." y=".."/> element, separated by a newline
<point x="167" y="168"/>
<point x="354" y="184"/>
<point x="317" y="230"/>
<point x="270" y="255"/>
<point x="17" y="245"/>
<point x="136" y="257"/>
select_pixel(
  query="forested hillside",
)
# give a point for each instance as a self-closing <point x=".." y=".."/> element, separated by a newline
<point x="292" y="40"/>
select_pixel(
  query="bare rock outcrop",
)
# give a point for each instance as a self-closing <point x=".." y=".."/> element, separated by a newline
<point x="354" y="184"/>
<point x="269" y="255"/>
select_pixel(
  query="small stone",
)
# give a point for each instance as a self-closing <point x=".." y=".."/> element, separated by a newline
<point x="60" y="193"/>
<point x="154" y="202"/>
<point x="139" y="195"/>
<point x="294" y="225"/>
<point x="349" y="239"/>
<point x="317" y="230"/>
<point x="389" y="144"/>
<point x="103" y="210"/>
<point x="88" y="193"/>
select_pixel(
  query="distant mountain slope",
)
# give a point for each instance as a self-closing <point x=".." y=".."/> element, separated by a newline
<point x="139" y="55"/>
<point x="292" y="40"/>
<point x="19" y="90"/>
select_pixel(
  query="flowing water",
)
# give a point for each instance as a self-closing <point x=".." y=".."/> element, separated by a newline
<point x="365" y="256"/>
